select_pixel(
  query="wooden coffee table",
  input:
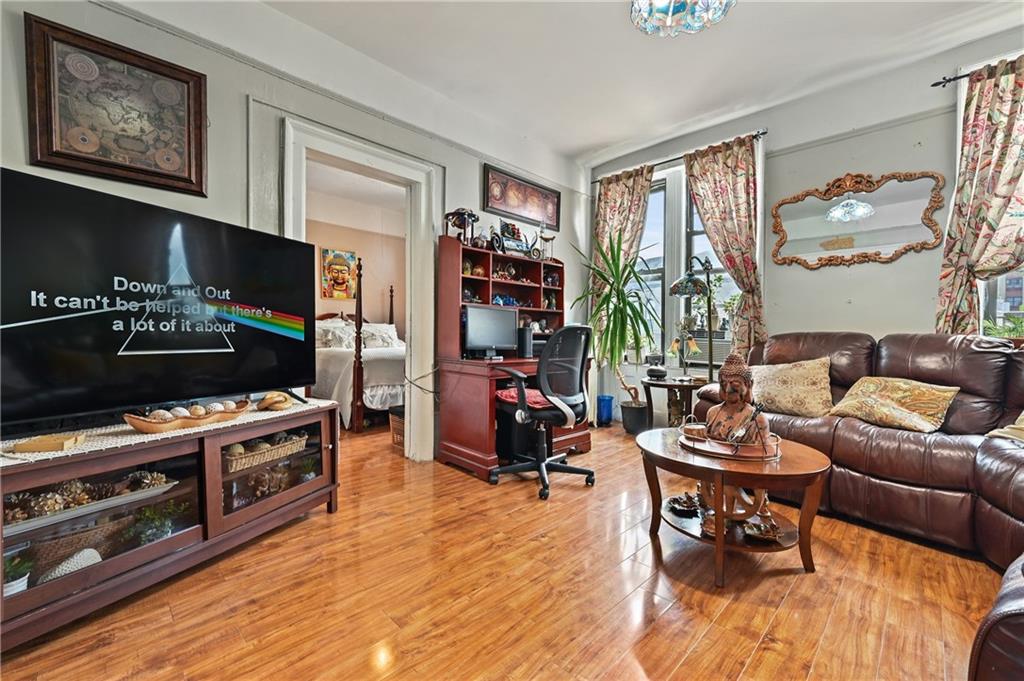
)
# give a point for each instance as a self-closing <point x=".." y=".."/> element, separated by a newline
<point x="799" y="466"/>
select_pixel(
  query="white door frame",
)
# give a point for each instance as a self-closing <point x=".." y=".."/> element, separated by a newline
<point x="425" y="203"/>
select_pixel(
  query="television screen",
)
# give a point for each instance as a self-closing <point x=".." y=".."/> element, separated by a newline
<point x="109" y="303"/>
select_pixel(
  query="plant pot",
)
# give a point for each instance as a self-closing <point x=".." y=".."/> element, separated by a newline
<point x="634" y="417"/>
<point x="15" y="586"/>
<point x="306" y="477"/>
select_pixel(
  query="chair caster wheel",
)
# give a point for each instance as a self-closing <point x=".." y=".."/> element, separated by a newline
<point x="543" y="493"/>
<point x="492" y="478"/>
<point x="590" y="480"/>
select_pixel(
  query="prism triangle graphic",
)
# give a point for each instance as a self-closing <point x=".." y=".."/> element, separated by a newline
<point x="178" y="321"/>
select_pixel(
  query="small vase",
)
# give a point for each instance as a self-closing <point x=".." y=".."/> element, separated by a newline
<point x="306" y="477"/>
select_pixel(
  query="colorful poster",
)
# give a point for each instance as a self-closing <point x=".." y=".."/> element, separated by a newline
<point x="337" y="274"/>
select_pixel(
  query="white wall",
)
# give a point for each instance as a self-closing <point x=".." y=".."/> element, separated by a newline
<point x="247" y="101"/>
<point x="892" y="122"/>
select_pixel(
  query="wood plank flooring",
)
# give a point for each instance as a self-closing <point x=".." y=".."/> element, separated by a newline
<point x="428" y="573"/>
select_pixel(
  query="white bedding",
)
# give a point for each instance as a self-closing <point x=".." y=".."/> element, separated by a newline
<point x="383" y="378"/>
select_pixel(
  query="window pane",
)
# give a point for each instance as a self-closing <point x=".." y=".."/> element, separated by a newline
<point x="1004" y="310"/>
<point x="652" y="243"/>
<point x="697" y="225"/>
<point x="702" y="249"/>
<point x="654" y="280"/>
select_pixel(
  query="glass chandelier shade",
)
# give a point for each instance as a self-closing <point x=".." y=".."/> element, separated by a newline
<point x="672" y="17"/>
<point x="849" y="210"/>
<point x="688" y="285"/>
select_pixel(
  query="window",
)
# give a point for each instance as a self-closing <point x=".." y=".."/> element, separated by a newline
<point x="652" y="262"/>
<point x="698" y="244"/>
<point x="1004" y="303"/>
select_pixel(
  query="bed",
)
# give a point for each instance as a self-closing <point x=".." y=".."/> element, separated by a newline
<point x="359" y="364"/>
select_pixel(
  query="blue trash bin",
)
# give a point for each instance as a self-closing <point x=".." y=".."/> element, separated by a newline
<point x="604" y="410"/>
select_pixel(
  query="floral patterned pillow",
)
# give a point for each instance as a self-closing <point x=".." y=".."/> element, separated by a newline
<point x="798" y="389"/>
<point x="897" y="403"/>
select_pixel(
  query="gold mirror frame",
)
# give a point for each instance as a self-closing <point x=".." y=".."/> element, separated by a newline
<point x="858" y="182"/>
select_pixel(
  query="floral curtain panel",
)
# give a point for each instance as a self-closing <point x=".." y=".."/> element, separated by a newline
<point x="723" y="183"/>
<point x="622" y="207"/>
<point x="986" y="231"/>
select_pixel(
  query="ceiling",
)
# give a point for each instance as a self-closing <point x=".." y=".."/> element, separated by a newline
<point x="345" y="184"/>
<point x="579" y="77"/>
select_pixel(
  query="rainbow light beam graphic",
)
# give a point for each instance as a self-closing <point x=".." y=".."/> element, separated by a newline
<point x="280" y="323"/>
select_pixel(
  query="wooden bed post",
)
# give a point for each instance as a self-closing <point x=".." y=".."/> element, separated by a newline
<point x="357" y="366"/>
<point x="391" y="304"/>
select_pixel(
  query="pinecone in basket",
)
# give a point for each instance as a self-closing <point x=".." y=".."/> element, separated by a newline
<point x="17" y="500"/>
<point x="75" y="492"/>
<point x="145" y="479"/>
<point x="45" y="504"/>
<point x="101" y="490"/>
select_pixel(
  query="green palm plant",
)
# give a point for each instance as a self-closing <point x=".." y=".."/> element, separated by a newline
<point x="621" y="309"/>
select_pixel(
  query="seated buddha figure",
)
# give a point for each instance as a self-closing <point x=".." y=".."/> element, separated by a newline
<point x="730" y="420"/>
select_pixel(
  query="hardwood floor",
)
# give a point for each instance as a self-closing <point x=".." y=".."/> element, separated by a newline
<point x="429" y="573"/>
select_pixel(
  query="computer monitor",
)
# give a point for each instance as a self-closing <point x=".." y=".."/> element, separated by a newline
<point x="490" y="328"/>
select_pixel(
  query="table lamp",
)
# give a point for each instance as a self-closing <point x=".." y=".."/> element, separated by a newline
<point x="691" y="285"/>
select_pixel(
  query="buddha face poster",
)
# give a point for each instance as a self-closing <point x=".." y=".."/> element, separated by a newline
<point x="337" y="274"/>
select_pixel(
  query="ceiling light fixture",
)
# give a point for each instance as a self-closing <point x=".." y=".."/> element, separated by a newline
<point x="850" y="210"/>
<point x="672" y="17"/>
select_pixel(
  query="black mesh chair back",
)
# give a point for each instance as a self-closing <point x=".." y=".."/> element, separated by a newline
<point x="561" y="370"/>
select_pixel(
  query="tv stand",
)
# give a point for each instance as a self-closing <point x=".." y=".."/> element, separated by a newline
<point x="210" y="508"/>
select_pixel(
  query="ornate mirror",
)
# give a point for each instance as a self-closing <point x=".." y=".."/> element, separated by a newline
<point x="857" y="218"/>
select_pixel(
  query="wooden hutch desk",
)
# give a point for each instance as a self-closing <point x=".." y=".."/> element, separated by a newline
<point x="467" y="386"/>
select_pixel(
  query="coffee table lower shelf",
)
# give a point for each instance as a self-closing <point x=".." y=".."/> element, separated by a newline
<point x="735" y="538"/>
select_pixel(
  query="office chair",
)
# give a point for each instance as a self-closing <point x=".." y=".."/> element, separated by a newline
<point x="561" y="400"/>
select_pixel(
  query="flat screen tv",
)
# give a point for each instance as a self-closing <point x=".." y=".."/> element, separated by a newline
<point x="108" y="304"/>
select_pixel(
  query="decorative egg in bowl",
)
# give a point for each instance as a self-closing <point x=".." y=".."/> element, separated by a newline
<point x="161" y="421"/>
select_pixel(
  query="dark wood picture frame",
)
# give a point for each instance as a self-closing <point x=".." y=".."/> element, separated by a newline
<point x="45" y="147"/>
<point x="492" y="205"/>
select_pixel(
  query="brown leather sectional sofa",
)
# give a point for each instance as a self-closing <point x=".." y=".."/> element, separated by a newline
<point x="954" y="486"/>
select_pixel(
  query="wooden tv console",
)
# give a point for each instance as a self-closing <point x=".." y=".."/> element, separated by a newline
<point x="206" y="506"/>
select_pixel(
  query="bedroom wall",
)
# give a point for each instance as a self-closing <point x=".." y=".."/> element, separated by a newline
<point x="383" y="265"/>
<point x="891" y="122"/>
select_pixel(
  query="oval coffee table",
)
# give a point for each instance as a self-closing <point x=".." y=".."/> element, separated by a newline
<point x="799" y="466"/>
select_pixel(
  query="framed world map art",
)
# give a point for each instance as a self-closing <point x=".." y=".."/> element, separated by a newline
<point x="102" y="109"/>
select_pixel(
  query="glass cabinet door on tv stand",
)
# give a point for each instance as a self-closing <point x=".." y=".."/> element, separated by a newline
<point x="253" y="471"/>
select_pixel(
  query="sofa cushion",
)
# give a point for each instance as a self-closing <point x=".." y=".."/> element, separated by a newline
<point x="935" y="460"/>
<point x="798" y="388"/>
<point x="897" y="403"/>
<point x="851" y="355"/>
<point x="939" y="515"/>
<point x="977" y="365"/>
<point x="999" y="535"/>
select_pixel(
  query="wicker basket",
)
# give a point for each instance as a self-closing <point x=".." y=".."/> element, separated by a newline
<point x="249" y="459"/>
<point x="104" y="538"/>
<point x="397" y="429"/>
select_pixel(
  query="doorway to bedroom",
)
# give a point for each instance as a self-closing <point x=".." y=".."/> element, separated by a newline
<point x="357" y="225"/>
<point x="402" y="351"/>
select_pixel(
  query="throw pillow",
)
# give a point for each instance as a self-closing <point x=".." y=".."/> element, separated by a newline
<point x="897" y="403"/>
<point x="380" y="336"/>
<point x="335" y="333"/>
<point x="798" y="389"/>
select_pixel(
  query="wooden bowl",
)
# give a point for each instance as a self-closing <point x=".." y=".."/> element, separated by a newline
<point x="153" y="426"/>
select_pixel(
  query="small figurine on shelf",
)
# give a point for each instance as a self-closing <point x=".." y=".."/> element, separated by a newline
<point x="546" y="242"/>
<point x="525" y="320"/>
<point x="552" y="279"/>
<point x="461" y="219"/>
<point x="469" y="297"/>
<point x="543" y="325"/>
<point x="550" y="301"/>
<point x="467" y="266"/>
<point x="479" y="241"/>
<point x="479" y="271"/>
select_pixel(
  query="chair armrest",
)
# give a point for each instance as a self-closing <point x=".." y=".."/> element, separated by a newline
<point x="520" y="380"/>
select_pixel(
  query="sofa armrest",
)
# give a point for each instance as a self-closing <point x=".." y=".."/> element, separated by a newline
<point x="998" y="651"/>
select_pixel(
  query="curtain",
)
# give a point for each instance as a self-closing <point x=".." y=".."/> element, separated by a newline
<point x="985" y="237"/>
<point x="622" y="207"/>
<point x="723" y="183"/>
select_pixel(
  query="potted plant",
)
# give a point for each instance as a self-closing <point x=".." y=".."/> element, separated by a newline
<point x="620" y="313"/>
<point x="153" y="523"/>
<point x="1011" y="328"/>
<point x="730" y="304"/>
<point x="16" y="572"/>
<point x="308" y="468"/>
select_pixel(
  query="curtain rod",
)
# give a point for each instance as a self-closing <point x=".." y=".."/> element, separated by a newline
<point x="946" y="80"/>
<point x="757" y="134"/>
